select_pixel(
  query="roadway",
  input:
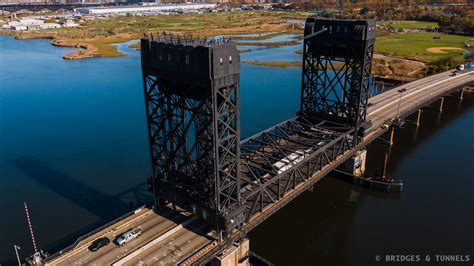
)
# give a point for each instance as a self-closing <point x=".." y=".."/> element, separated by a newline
<point x="153" y="226"/>
<point x="385" y="105"/>
<point x="175" y="248"/>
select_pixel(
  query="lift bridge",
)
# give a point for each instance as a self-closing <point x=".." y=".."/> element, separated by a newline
<point x="201" y="165"/>
<point x="193" y="114"/>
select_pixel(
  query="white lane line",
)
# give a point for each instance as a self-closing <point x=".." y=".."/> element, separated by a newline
<point x="387" y="115"/>
<point x="73" y="252"/>
<point x="417" y="91"/>
<point x="152" y="242"/>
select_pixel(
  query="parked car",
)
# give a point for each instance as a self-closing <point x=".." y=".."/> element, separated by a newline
<point x="461" y="67"/>
<point x="98" y="243"/>
<point x="128" y="236"/>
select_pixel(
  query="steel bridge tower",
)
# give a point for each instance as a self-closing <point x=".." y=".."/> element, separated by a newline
<point x="192" y="105"/>
<point x="336" y="70"/>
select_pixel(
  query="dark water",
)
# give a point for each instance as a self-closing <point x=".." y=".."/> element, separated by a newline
<point x="339" y="224"/>
<point x="73" y="145"/>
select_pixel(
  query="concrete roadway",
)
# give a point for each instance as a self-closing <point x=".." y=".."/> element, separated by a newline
<point x="176" y="247"/>
<point x="385" y="105"/>
<point x="152" y="224"/>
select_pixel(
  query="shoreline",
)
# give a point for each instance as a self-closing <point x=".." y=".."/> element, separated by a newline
<point x="85" y="48"/>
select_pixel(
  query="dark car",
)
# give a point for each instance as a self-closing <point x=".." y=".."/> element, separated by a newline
<point x="98" y="243"/>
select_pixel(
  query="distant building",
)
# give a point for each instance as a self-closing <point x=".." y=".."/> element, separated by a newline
<point x="34" y="24"/>
<point x="143" y="8"/>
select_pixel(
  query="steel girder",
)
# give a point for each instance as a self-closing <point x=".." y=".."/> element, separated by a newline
<point x="276" y="161"/>
<point x="195" y="146"/>
<point x="336" y="80"/>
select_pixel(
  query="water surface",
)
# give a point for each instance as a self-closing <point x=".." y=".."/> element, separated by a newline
<point x="73" y="145"/>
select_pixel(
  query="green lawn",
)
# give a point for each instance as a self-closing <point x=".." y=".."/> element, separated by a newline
<point x="408" y="24"/>
<point x="414" y="45"/>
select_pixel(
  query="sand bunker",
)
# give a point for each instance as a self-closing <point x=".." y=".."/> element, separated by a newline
<point x="443" y="50"/>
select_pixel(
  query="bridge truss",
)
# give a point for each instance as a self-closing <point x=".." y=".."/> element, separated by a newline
<point x="275" y="161"/>
<point x="192" y="97"/>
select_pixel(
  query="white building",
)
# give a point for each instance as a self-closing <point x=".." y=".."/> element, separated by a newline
<point x="30" y="24"/>
<point x="143" y="8"/>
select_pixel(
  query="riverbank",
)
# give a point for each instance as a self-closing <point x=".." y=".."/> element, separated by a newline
<point x="384" y="66"/>
<point x="96" y="38"/>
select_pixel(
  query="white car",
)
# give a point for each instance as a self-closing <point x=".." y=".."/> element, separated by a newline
<point x="461" y="67"/>
<point x="128" y="236"/>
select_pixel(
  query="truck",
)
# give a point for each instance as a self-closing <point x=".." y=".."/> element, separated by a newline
<point x="128" y="236"/>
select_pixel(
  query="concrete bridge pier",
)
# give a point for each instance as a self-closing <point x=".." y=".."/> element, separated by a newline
<point x="441" y="103"/>
<point x="418" y="118"/>
<point x="392" y="133"/>
<point x="237" y="254"/>
<point x="356" y="164"/>
<point x="461" y="94"/>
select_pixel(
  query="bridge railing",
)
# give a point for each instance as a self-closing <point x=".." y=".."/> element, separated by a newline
<point x="424" y="99"/>
<point x="90" y="234"/>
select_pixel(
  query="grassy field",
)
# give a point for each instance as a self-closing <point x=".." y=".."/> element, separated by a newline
<point x="415" y="45"/>
<point x="408" y="24"/>
<point x="100" y="33"/>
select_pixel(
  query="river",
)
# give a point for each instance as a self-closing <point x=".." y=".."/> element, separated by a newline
<point x="73" y="145"/>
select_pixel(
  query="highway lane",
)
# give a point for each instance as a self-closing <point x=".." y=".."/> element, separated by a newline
<point x="152" y="225"/>
<point x="177" y="247"/>
<point x="385" y="105"/>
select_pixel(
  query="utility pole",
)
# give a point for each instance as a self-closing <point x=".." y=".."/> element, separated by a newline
<point x="17" y="256"/>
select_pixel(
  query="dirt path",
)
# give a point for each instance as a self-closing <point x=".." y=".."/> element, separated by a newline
<point x="397" y="68"/>
<point x="443" y="50"/>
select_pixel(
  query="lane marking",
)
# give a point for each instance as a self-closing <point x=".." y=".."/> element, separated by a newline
<point x="153" y="242"/>
<point x="82" y="247"/>
<point x="417" y="91"/>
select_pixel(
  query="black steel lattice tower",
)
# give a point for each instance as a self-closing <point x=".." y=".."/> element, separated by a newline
<point x="192" y="101"/>
<point x="337" y="62"/>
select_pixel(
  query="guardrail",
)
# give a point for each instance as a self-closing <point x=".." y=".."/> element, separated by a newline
<point x="429" y="98"/>
<point x="97" y="230"/>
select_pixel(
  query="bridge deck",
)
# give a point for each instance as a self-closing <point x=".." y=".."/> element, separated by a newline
<point x="174" y="233"/>
<point x="288" y="146"/>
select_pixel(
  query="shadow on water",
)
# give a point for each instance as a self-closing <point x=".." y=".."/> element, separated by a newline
<point x="106" y="207"/>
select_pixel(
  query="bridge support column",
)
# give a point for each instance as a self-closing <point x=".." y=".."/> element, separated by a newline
<point x="441" y="104"/>
<point x="461" y="94"/>
<point x="418" y="117"/>
<point x="235" y="255"/>
<point x="392" y="132"/>
<point x="356" y="164"/>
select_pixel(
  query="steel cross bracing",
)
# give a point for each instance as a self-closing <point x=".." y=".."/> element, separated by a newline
<point x="170" y="117"/>
<point x="336" y="76"/>
<point x="277" y="160"/>
<point x="204" y="169"/>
